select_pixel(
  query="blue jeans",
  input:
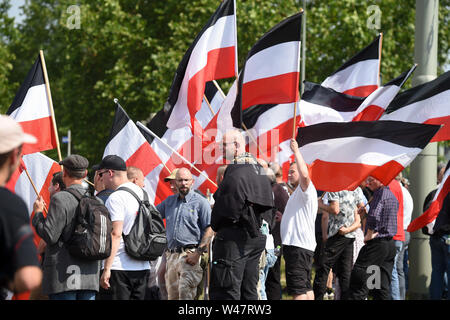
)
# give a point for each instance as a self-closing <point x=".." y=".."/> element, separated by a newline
<point x="440" y="264"/>
<point x="398" y="267"/>
<point x="73" y="295"/>
<point x="271" y="258"/>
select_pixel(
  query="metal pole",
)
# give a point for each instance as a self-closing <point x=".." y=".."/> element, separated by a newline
<point x="423" y="168"/>
<point x="69" y="142"/>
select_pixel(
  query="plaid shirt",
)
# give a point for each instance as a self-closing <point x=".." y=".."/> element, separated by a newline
<point x="382" y="217"/>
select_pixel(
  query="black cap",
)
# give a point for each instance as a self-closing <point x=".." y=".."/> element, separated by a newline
<point x="111" y="162"/>
<point x="75" y="162"/>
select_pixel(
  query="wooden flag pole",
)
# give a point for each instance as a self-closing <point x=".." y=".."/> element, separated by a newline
<point x="34" y="186"/>
<point x="379" y="64"/>
<point x="49" y="95"/>
<point x="294" y="126"/>
<point x="174" y="151"/>
<point x="209" y="105"/>
<point x="218" y="88"/>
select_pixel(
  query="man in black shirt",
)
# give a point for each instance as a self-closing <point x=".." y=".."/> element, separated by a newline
<point x="244" y="195"/>
<point x="19" y="264"/>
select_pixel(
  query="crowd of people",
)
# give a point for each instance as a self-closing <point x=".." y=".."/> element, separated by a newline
<point x="226" y="248"/>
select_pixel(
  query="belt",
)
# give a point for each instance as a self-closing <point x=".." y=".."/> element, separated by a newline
<point x="182" y="249"/>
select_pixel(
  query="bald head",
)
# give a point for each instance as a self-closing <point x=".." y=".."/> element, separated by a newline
<point x="184" y="181"/>
<point x="135" y="175"/>
<point x="233" y="144"/>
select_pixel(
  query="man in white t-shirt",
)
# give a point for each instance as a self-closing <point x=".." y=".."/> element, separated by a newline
<point x="298" y="229"/>
<point x="124" y="276"/>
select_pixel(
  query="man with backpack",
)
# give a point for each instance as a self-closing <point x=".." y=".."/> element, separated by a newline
<point x="124" y="275"/>
<point x="66" y="277"/>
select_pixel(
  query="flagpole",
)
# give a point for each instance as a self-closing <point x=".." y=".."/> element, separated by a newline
<point x="34" y="186"/>
<point x="379" y="64"/>
<point x="218" y="88"/>
<point x="49" y="95"/>
<point x="209" y="105"/>
<point x="294" y="126"/>
<point x="174" y="151"/>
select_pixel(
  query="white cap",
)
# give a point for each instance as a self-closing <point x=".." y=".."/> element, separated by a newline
<point x="12" y="135"/>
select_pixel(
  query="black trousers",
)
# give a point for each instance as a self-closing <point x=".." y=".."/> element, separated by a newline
<point x="126" y="285"/>
<point x="273" y="281"/>
<point x="235" y="268"/>
<point x="337" y="255"/>
<point x="372" y="271"/>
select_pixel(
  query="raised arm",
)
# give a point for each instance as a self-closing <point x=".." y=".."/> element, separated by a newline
<point x="301" y="166"/>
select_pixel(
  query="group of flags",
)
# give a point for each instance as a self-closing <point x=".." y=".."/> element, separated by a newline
<point x="347" y="127"/>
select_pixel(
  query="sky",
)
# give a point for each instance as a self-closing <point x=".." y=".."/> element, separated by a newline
<point x="14" y="11"/>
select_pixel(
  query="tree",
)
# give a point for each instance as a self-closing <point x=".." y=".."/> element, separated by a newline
<point x="130" y="49"/>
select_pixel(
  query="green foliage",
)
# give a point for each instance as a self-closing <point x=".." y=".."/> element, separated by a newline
<point x="130" y="49"/>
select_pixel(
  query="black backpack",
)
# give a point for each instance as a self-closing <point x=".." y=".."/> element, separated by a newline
<point x="147" y="237"/>
<point x="91" y="236"/>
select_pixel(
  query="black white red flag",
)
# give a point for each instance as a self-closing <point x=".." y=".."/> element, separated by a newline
<point x="360" y="75"/>
<point x="341" y="155"/>
<point x="127" y="142"/>
<point x="212" y="56"/>
<point x="31" y="109"/>
<point x="320" y="104"/>
<point x="271" y="71"/>
<point x="430" y="215"/>
<point x="427" y="103"/>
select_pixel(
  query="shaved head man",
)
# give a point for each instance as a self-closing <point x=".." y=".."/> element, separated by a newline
<point x="184" y="181"/>
<point x="233" y="144"/>
<point x="135" y="175"/>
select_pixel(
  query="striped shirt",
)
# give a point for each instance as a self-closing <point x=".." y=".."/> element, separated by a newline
<point x="382" y="217"/>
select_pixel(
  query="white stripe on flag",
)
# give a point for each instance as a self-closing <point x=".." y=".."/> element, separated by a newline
<point x="126" y="142"/>
<point x="358" y="150"/>
<point x="363" y="73"/>
<point x="34" y="106"/>
<point x="273" y="61"/>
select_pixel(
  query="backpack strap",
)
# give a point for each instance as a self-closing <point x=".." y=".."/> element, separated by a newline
<point x="75" y="193"/>
<point x="133" y="194"/>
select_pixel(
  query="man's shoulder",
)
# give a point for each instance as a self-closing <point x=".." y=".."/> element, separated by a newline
<point x="12" y="203"/>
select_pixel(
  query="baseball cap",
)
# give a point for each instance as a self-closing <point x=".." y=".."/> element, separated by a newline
<point x="172" y="176"/>
<point x="75" y="162"/>
<point x="12" y="135"/>
<point x="111" y="162"/>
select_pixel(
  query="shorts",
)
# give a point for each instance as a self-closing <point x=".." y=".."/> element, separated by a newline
<point x="298" y="269"/>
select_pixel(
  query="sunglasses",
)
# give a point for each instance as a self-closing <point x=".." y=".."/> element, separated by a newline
<point x="100" y="174"/>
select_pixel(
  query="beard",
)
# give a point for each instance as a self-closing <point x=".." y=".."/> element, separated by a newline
<point x="184" y="190"/>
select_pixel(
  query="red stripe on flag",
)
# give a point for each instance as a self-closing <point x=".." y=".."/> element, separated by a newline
<point x="42" y="129"/>
<point x="278" y="89"/>
<point x="362" y="91"/>
<point x="220" y="64"/>
<point x="370" y="113"/>
<point x="348" y="176"/>
<point x="432" y="212"/>
<point x="145" y="158"/>
<point x="444" y="133"/>
<point x="45" y="195"/>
